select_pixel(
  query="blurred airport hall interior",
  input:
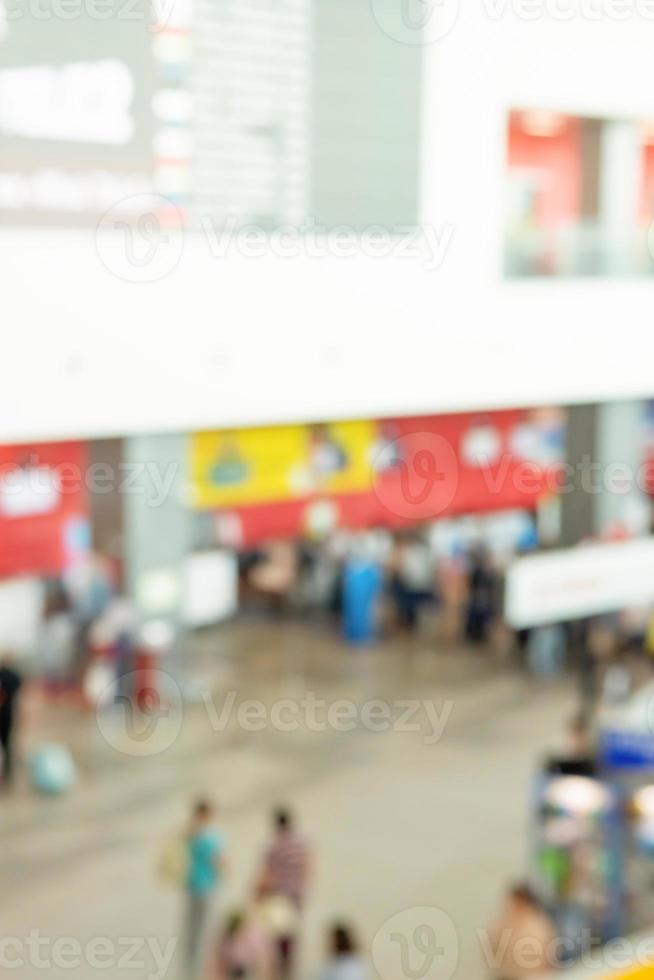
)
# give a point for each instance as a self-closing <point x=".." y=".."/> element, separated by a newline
<point x="327" y="489"/>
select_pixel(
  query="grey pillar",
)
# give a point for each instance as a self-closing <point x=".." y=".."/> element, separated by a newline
<point x="605" y="457"/>
<point x="591" y="165"/>
<point x="620" y="182"/>
<point x="620" y="454"/>
<point x="577" y="519"/>
<point x="105" y="458"/>
<point x="157" y="525"/>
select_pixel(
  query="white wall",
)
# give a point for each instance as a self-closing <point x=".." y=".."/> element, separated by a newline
<point x="243" y="340"/>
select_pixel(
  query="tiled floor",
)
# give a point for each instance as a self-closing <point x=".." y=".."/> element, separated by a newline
<point x="400" y="819"/>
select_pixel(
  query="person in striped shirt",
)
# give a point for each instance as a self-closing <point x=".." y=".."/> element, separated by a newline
<point x="285" y="875"/>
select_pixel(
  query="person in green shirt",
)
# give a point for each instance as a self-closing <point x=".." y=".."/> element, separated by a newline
<point x="205" y="866"/>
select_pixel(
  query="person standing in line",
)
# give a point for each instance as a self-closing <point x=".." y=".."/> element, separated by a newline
<point x="482" y="589"/>
<point x="285" y="875"/>
<point x="345" y="962"/>
<point x="205" y="868"/>
<point x="412" y="579"/>
<point x="10" y="686"/>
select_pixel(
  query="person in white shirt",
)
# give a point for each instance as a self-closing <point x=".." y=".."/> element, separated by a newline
<point x="345" y="962"/>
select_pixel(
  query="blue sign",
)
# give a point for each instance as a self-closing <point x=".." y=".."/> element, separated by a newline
<point x="627" y="750"/>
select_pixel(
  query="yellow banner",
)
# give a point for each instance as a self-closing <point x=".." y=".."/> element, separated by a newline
<point x="266" y="465"/>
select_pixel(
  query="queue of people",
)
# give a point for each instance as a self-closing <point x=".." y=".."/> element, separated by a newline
<point x="464" y="587"/>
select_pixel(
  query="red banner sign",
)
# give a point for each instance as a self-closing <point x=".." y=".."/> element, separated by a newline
<point x="420" y="469"/>
<point x="43" y="507"/>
